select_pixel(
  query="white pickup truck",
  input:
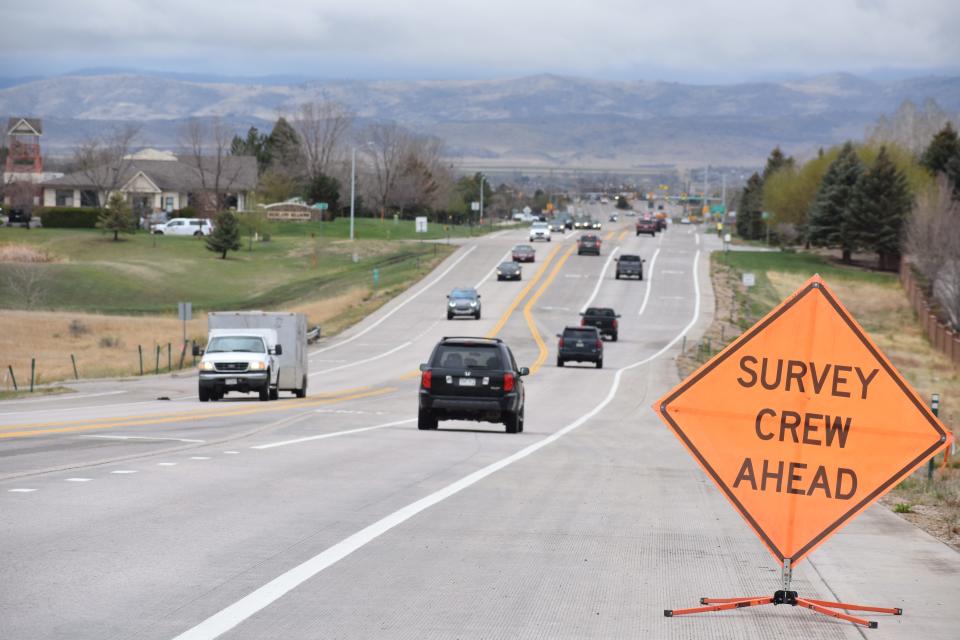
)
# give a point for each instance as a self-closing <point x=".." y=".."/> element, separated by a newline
<point x="253" y="351"/>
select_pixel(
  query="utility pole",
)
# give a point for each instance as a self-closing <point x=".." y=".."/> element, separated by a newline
<point x="482" y="178"/>
<point x="353" y="186"/>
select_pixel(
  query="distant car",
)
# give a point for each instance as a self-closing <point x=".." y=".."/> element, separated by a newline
<point x="556" y="226"/>
<point x="18" y="215"/>
<point x="629" y="265"/>
<point x="604" y="319"/>
<point x="471" y="379"/>
<point x="540" y="231"/>
<point x="684" y="220"/>
<point x="595" y="225"/>
<point x="588" y="243"/>
<point x="463" y="302"/>
<point x="183" y="227"/>
<point x="630" y="213"/>
<point x="580" y="344"/>
<point x="647" y="225"/>
<point x="613" y="218"/>
<point x="661" y="222"/>
<point x="581" y="223"/>
<point x="509" y="271"/>
<point x="524" y="253"/>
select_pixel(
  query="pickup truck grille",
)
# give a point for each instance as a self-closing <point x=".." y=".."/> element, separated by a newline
<point x="230" y="366"/>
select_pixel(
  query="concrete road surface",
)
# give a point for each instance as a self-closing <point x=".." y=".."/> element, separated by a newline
<point x="124" y="516"/>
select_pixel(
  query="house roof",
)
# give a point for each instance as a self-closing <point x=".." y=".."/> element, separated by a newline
<point x="34" y="123"/>
<point x="238" y="173"/>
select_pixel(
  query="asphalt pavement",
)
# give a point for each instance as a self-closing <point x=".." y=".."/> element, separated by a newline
<point x="124" y="515"/>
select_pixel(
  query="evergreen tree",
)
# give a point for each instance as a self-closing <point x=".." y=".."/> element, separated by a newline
<point x="255" y="144"/>
<point x="829" y="220"/>
<point x="323" y="188"/>
<point x="226" y="234"/>
<point x="944" y="147"/>
<point x="880" y="204"/>
<point x="953" y="175"/>
<point x="283" y="147"/>
<point x="116" y="217"/>
<point x="775" y="162"/>
<point x="750" y="209"/>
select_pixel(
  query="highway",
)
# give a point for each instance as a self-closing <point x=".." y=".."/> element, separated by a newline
<point x="124" y="515"/>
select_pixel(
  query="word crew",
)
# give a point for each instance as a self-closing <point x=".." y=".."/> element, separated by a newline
<point x="807" y="428"/>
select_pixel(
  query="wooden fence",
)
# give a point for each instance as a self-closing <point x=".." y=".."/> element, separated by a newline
<point x="941" y="336"/>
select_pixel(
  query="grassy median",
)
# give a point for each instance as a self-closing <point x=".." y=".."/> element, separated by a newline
<point x="878" y="303"/>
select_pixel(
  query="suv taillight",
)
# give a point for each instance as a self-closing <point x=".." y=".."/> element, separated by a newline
<point x="560" y="344"/>
<point x="599" y="344"/>
<point x="508" y="382"/>
<point x="426" y="379"/>
<point x="614" y="324"/>
<point x="583" y="322"/>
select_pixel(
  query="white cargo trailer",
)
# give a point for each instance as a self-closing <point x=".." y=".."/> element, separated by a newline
<point x="291" y="330"/>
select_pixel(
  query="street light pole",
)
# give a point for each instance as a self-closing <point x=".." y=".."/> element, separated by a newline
<point x="482" y="178"/>
<point x="353" y="186"/>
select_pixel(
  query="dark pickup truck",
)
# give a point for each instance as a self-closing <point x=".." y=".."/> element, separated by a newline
<point x="629" y="266"/>
<point x="580" y="344"/>
<point x="604" y="319"/>
<point x="588" y="243"/>
<point x="471" y="379"/>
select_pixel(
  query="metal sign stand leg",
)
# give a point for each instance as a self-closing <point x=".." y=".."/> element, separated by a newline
<point x="785" y="596"/>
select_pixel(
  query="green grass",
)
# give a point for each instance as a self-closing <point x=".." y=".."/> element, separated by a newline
<point x="150" y="274"/>
<point x="375" y="229"/>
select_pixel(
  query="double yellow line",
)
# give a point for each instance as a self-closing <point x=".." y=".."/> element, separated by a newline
<point x="25" y="430"/>
<point x="528" y="308"/>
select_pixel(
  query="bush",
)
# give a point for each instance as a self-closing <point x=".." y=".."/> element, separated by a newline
<point x="186" y="212"/>
<point x="109" y="342"/>
<point x="77" y="328"/>
<point x="68" y="217"/>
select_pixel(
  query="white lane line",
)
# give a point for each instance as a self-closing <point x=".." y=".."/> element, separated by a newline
<point x="364" y="361"/>
<point x="492" y="269"/>
<point x="166" y="464"/>
<point x="698" y="239"/>
<point x="142" y="438"/>
<point x="66" y="396"/>
<point x="121" y="472"/>
<point x="231" y="453"/>
<point x="425" y="331"/>
<point x="596" y="289"/>
<point x="332" y="435"/>
<point x="78" y="479"/>
<point x="199" y="457"/>
<point x="229" y="617"/>
<point x="20" y="490"/>
<point x="646" y="294"/>
<point x="399" y="306"/>
<point x="672" y="272"/>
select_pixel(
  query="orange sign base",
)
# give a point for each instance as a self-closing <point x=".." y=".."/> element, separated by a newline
<point x="822" y="607"/>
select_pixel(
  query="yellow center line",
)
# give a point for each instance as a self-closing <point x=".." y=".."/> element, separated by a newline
<point x="132" y="421"/>
<point x="623" y="235"/>
<point x="609" y="235"/>
<point x="519" y="298"/>
<point x="528" y="315"/>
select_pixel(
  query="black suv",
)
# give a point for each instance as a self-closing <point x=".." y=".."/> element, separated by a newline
<point x="472" y="379"/>
<point x="588" y="243"/>
<point x="580" y="344"/>
<point x="629" y="265"/>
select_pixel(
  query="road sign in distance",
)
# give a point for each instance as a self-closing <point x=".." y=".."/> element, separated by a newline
<point x="801" y="422"/>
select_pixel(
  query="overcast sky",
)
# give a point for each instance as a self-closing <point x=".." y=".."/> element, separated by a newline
<point x="683" y="40"/>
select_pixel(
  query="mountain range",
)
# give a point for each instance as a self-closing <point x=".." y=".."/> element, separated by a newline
<point x="543" y="120"/>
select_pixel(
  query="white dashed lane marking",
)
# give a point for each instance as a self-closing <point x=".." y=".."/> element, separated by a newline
<point x="20" y="490"/>
<point x="124" y="471"/>
<point x="78" y="479"/>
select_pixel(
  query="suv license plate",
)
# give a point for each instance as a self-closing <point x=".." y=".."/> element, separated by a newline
<point x="468" y="382"/>
<point x="579" y="344"/>
<point x="230" y="381"/>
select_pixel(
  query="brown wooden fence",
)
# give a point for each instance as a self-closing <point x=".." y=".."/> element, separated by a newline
<point x="941" y="336"/>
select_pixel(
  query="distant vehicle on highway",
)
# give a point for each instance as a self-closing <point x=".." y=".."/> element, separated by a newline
<point x="604" y="319"/>
<point x="471" y="379"/>
<point x="629" y="265"/>
<point x="580" y="344"/>
<point x="661" y="220"/>
<point x="509" y="271"/>
<point x="613" y="218"/>
<point x="595" y="224"/>
<point x="539" y="231"/>
<point x="183" y="227"/>
<point x="524" y="253"/>
<point x="647" y="225"/>
<point x="245" y="353"/>
<point x="684" y="220"/>
<point x="556" y="226"/>
<point x="588" y="243"/>
<point x="463" y="302"/>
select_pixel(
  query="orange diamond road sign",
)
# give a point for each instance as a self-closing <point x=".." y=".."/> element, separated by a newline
<point x="802" y="422"/>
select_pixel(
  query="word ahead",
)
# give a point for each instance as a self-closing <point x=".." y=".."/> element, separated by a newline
<point x="802" y="422"/>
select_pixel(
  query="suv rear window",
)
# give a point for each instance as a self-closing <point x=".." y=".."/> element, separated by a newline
<point x="629" y="258"/>
<point x="457" y="356"/>
<point x="579" y="334"/>
<point x="594" y="311"/>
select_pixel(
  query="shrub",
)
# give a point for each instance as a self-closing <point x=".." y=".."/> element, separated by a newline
<point x="68" y="217"/>
<point x="109" y="342"/>
<point x="187" y="212"/>
<point x="78" y="329"/>
<point x="902" y="507"/>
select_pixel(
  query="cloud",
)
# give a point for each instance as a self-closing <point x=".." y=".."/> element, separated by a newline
<point x="497" y="37"/>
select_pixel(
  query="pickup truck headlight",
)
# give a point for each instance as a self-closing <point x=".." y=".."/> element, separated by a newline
<point x="206" y="366"/>
<point x="258" y="366"/>
<point x="452" y="303"/>
<point x="499" y="273"/>
<point x="473" y="304"/>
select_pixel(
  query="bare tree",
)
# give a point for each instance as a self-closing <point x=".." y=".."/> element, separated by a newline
<point x="933" y="243"/>
<point x="386" y="152"/>
<point x="105" y="161"/>
<point x="424" y="180"/>
<point x="208" y="148"/>
<point x="27" y="282"/>
<point x="322" y="126"/>
<point x="20" y="194"/>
